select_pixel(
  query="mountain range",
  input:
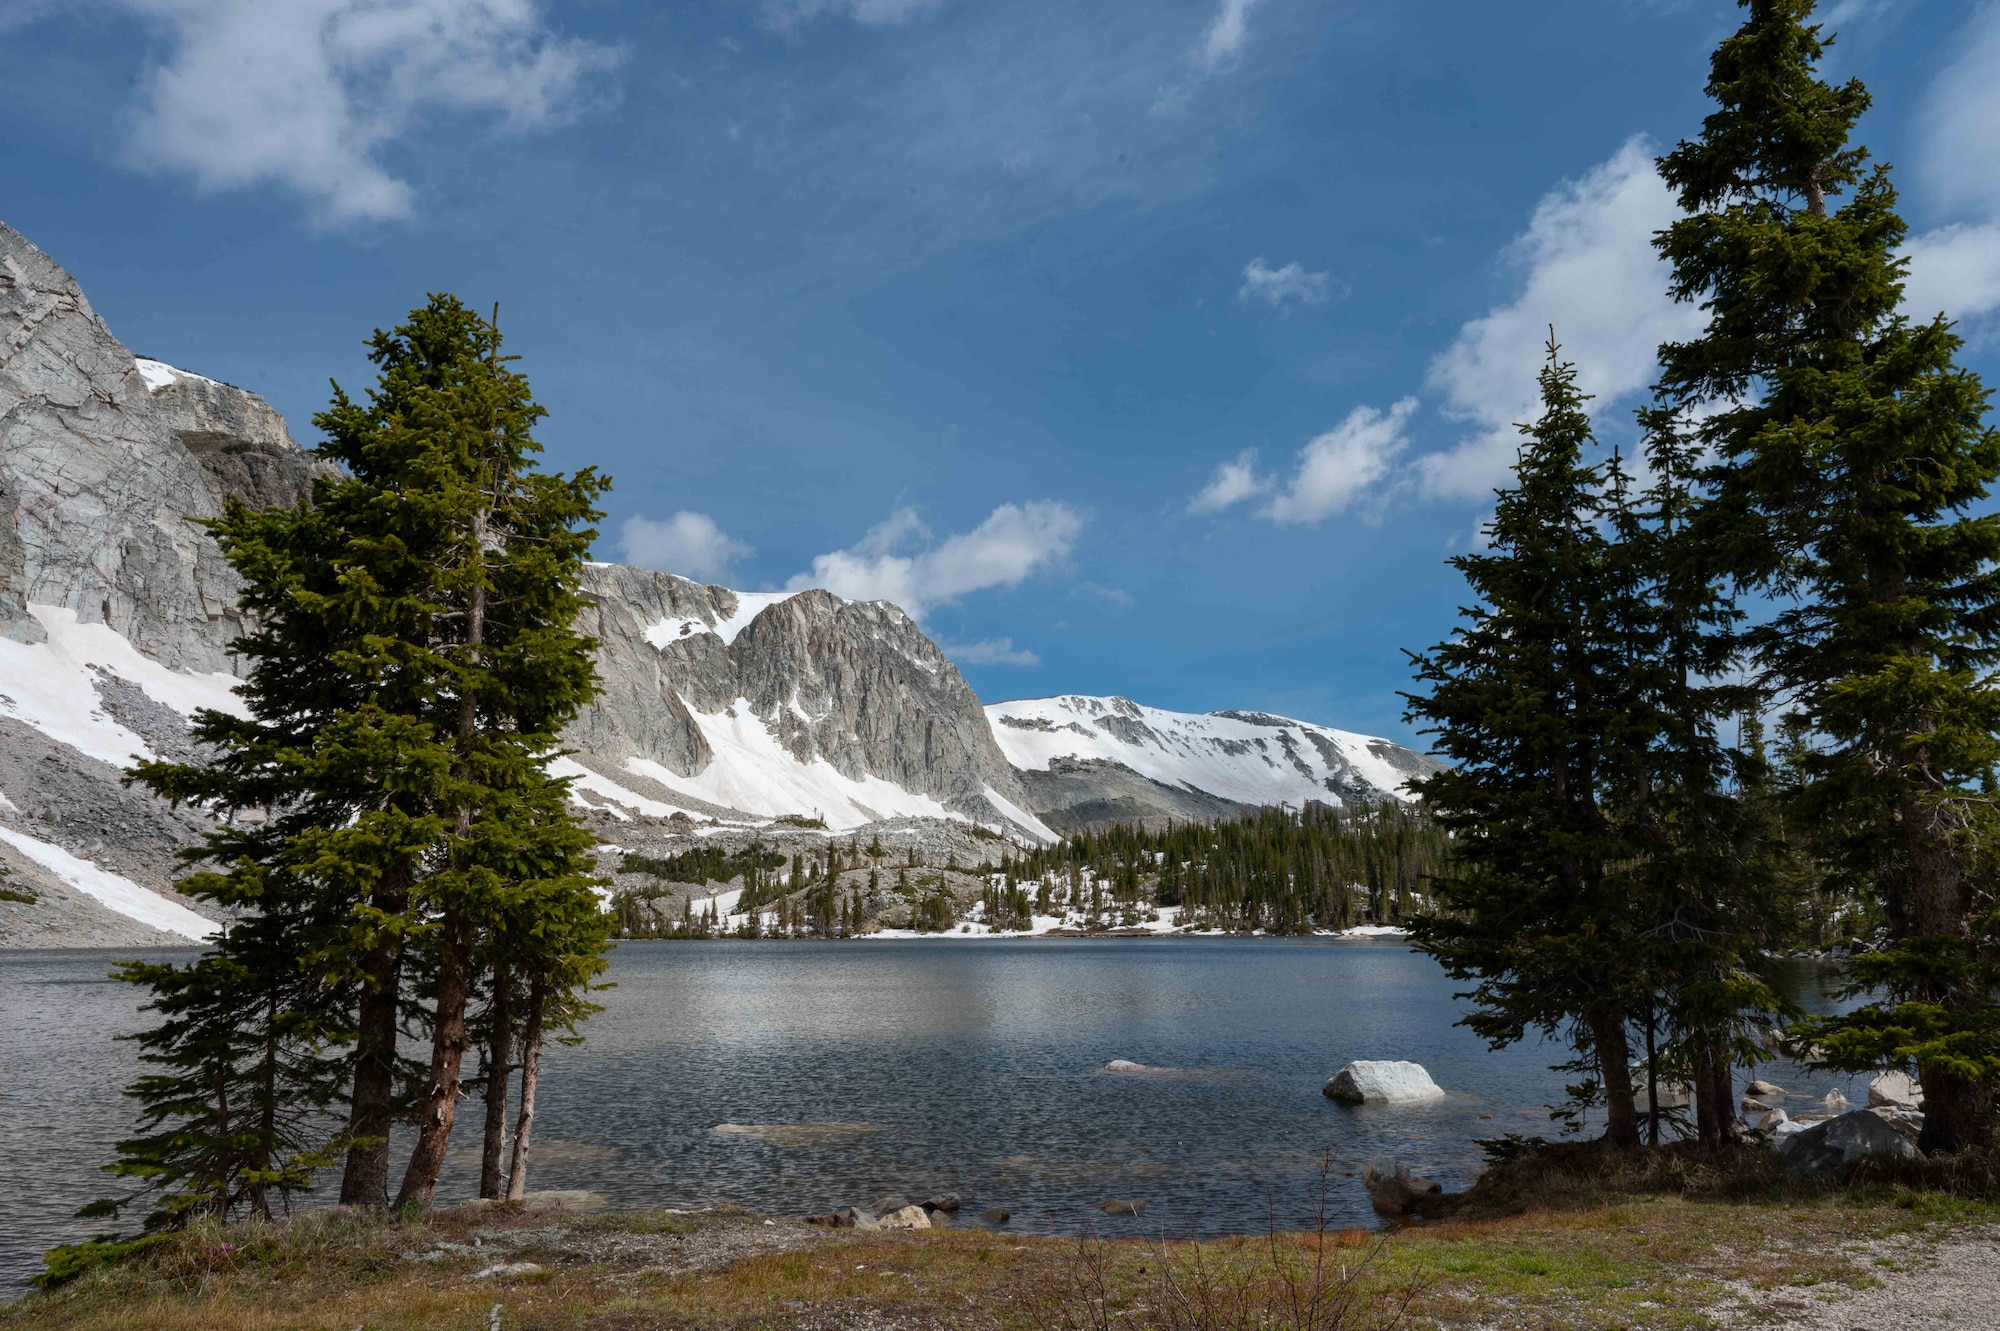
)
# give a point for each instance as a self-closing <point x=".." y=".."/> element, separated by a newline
<point x="717" y="707"/>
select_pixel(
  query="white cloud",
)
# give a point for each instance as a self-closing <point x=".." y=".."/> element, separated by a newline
<point x="872" y="13"/>
<point x="1340" y="468"/>
<point x="690" y="544"/>
<point x="990" y="651"/>
<point x="1226" y="35"/>
<point x="1275" y="286"/>
<point x="306" y="93"/>
<point x="1588" y="268"/>
<point x="1233" y="482"/>
<point x="1956" y="268"/>
<point x="1015" y="541"/>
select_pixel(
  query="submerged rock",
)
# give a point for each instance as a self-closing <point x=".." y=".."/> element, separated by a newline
<point x="1382" y="1082"/>
<point x="1825" y="1150"/>
<point x="1397" y="1191"/>
<point x="947" y="1202"/>
<point x="892" y="1202"/>
<point x="1122" y="1206"/>
<point x="996" y="1215"/>
<point x="1125" y="1065"/>
<point x="1835" y="1101"/>
<point x="1764" y="1090"/>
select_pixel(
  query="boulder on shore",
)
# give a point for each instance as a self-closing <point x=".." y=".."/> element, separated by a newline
<point x="1382" y="1082"/>
<point x="1825" y="1150"/>
<point x="910" y="1217"/>
<point x="1894" y="1090"/>
<point x="1397" y="1191"/>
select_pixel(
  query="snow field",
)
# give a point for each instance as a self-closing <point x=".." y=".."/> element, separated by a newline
<point x="1220" y="755"/>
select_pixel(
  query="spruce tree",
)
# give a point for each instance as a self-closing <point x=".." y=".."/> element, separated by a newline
<point x="1530" y="701"/>
<point x="1852" y="452"/>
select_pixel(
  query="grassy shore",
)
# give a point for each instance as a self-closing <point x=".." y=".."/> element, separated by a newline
<point x="1602" y="1258"/>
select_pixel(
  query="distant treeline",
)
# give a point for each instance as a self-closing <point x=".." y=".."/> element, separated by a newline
<point x="1280" y="870"/>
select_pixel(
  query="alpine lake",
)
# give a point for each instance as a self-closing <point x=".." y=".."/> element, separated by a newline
<point x="799" y="1077"/>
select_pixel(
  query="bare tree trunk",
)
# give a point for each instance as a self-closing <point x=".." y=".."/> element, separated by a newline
<point x="1614" y="1051"/>
<point x="531" y="1071"/>
<point x="1958" y="1111"/>
<point x="499" y="1067"/>
<point x="365" y="1181"/>
<point x="439" y="1106"/>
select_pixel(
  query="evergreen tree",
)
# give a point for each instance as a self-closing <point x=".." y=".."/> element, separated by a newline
<point x="1851" y="450"/>
<point x="1531" y="700"/>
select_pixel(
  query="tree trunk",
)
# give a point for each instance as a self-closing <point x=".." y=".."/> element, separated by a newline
<point x="531" y="1071"/>
<point x="439" y="1105"/>
<point x="365" y="1181"/>
<point x="1707" y="1129"/>
<point x="1722" y="1090"/>
<point x="1958" y="1112"/>
<point x="499" y="1056"/>
<point x="1621" y="1128"/>
<point x="1652" y="1080"/>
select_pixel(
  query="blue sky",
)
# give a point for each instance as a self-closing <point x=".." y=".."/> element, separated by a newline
<point x="1155" y="347"/>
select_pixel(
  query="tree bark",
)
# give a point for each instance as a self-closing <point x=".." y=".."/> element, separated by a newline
<point x="439" y="1106"/>
<point x="531" y="1071"/>
<point x="1722" y="1090"/>
<point x="1621" y="1128"/>
<point x="365" y="1181"/>
<point x="1707" y="1130"/>
<point x="499" y="1068"/>
<point x="1958" y="1112"/>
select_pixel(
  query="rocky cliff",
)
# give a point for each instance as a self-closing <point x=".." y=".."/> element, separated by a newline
<point x="807" y="704"/>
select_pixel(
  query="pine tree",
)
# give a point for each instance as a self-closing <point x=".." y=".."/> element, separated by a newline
<point x="1852" y="450"/>
<point x="1530" y="701"/>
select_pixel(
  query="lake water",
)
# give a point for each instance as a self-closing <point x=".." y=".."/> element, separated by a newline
<point x="962" y="1065"/>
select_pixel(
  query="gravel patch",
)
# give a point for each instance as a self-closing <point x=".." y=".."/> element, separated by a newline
<point x="1922" y="1285"/>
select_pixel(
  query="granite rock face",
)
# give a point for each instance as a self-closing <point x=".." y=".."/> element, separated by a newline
<point x="100" y="476"/>
<point x="689" y="669"/>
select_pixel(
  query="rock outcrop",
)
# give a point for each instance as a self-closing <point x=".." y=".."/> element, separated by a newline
<point x="777" y="704"/>
<point x="1826" y="1150"/>
<point x="102" y="471"/>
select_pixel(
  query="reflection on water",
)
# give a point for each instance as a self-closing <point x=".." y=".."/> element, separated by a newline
<point x="839" y="1072"/>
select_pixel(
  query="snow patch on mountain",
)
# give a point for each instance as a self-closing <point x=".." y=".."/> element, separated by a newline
<point x="1249" y="757"/>
<point x="753" y="772"/>
<point x="112" y="890"/>
<point x="52" y="685"/>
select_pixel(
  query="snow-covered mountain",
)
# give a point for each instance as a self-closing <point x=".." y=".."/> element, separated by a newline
<point x="718" y="708"/>
<point x="1085" y="759"/>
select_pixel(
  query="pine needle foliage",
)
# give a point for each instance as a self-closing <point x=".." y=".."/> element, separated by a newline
<point x="1854" y="466"/>
<point x="1534" y="703"/>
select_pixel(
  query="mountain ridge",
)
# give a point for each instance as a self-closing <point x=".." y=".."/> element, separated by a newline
<point x="719" y="709"/>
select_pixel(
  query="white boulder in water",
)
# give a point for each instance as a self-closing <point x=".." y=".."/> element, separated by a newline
<point x="1382" y="1082"/>
<point x="1894" y="1090"/>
